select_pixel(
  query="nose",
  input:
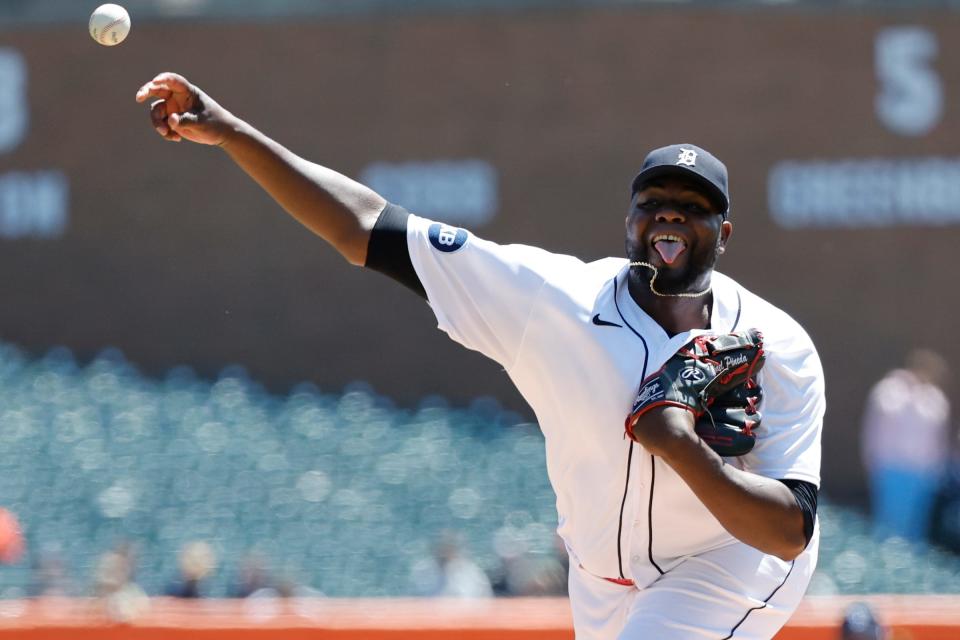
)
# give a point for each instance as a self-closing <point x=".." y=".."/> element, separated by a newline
<point x="670" y="214"/>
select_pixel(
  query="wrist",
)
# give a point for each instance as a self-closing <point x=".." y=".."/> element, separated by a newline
<point x="664" y="429"/>
<point x="233" y="128"/>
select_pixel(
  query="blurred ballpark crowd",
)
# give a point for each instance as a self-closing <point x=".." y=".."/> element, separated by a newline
<point x="123" y="486"/>
<point x="193" y="488"/>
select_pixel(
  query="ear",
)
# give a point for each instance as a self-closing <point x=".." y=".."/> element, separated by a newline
<point x="726" y="230"/>
<point x="632" y="204"/>
<point x="630" y="209"/>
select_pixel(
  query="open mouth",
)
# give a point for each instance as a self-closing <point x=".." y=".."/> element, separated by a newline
<point x="669" y="246"/>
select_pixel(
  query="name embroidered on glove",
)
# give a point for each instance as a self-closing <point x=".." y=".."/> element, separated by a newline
<point x="650" y="392"/>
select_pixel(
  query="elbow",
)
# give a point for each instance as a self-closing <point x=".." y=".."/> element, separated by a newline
<point x="355" y="258"/>
<point x="788" y="553"/>
<point x="791" y="546"/>
<point x="353" y="248"/>
<point x="794" y="533"/>
<point x="784" y="542"/>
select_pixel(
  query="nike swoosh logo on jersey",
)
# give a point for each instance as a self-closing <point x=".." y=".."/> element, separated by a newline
<point x="603" y="323"/>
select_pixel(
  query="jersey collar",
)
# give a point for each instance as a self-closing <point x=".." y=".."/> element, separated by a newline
<point x="724" y="317"/>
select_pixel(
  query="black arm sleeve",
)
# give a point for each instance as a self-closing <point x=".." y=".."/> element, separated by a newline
<point x="387" y="250"/>
<point x="806" y="495"/>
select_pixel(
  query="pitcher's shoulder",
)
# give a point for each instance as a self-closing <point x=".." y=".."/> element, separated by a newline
<point x="781" y="331"/>
<point x="605" y="268"/>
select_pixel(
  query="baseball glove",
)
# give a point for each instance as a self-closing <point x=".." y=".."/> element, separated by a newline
<point x="727" y="426"/>
<point x="703" y="369"/>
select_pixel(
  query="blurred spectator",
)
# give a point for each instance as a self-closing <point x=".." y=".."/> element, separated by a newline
<point x="522" y="573"/>
<point x="49" y="575"/>
<point x="531" y="575"/>
<point x="450" y="573"/>
<point x="905" y="438"/>
<point x="122" y="598"/>
<point x="115" y="569"/>
<point x="286" y="587"/>
<point x="946" y="511"/>
<point x="252" y="577"/>
<point x="197" y="562"/>
<point x="11" y="538"/>
<point x="859" y="623"/>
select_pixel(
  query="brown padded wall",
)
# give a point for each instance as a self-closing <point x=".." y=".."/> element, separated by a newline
<point x="174" y="256"/>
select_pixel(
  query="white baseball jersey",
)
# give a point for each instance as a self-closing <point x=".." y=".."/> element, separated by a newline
<point x="577" y="346"/>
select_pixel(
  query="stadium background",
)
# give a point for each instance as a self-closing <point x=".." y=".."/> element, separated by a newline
<point x="523" y="121"/>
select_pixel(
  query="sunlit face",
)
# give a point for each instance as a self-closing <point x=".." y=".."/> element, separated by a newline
<point x="673" y="225"/>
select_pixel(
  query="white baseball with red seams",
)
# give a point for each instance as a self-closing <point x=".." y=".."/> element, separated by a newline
<point x="109" y="24"/>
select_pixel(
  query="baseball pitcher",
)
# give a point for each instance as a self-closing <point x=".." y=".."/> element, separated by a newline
<point x="681" y="412"/>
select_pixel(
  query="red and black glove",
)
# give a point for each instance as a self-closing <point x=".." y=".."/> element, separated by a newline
<point x="707" y="367"/>
<point x="727" y="426"/>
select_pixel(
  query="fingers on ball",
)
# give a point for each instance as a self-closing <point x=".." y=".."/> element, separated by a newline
<point x="169" y="76"/>
<point x="154" y="90"/>
<point x="163" y="86"/>
<point x="161" y="120"/>
<point x="158" y="114"/>
<point x="158" y="117"/>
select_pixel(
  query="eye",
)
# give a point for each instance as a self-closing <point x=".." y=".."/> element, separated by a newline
<point x="648" y="204"/>
<point x="693" y="207"/>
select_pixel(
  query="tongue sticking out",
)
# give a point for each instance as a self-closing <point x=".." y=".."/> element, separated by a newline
<point x="669" y="250"/>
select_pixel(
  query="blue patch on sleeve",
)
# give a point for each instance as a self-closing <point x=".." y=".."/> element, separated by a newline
<point x="445" y="238"/>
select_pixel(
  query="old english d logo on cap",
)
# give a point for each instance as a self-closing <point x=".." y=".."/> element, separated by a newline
<point x="687" y="157"/>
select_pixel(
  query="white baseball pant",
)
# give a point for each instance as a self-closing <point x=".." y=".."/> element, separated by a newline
<point x="735" y="591"/>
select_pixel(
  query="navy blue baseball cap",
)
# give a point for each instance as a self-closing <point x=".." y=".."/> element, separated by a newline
<point x="687" y="161"/>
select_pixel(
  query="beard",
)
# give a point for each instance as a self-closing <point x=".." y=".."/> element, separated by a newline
<point x="673" y="280"/>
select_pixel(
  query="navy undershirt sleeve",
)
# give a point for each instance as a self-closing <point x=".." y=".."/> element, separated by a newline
<point x="806" y="495"/>
<point x="387" y="250"/>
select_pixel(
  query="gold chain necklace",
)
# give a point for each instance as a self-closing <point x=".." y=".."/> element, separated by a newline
<point x="667" y="295"/>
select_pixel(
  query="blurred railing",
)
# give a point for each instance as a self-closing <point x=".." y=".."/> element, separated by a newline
<point x="914" y="617"/>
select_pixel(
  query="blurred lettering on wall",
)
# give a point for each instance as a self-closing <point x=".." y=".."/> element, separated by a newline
<point x="14" y="112"/>
<point x="866" y="193"/>
<point x="33" y="204"/>
<point x="456" y="191"/>
<point x="879" y="192"/>
<point x="910" y="98"/>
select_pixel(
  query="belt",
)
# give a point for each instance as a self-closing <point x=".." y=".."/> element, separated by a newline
<point x="623" y="582"/>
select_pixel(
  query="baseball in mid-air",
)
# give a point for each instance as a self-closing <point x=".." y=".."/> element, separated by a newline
<point x="109" y="24"/>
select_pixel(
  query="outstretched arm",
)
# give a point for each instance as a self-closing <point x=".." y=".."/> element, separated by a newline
<point x="336" y="208"/>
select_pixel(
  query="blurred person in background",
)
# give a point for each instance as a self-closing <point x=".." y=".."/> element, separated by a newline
<point x="859" y="623"/>
<point x="49" y="575"/>
<point x="116" y="587"/>
<point x="255" y="580"/>
<point x="450" y="572"/>
<point x="531" y="575"/>
<point x="522" y="573"/>
<point x="197" y="562"/>
<point x="906" y="430"/>
<point x="252" y="577"/>
<point x="946" y="511"/>
<point x="11" y="538"/>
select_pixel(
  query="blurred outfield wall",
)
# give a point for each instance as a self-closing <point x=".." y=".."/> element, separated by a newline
<point x="840" y="129"/>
